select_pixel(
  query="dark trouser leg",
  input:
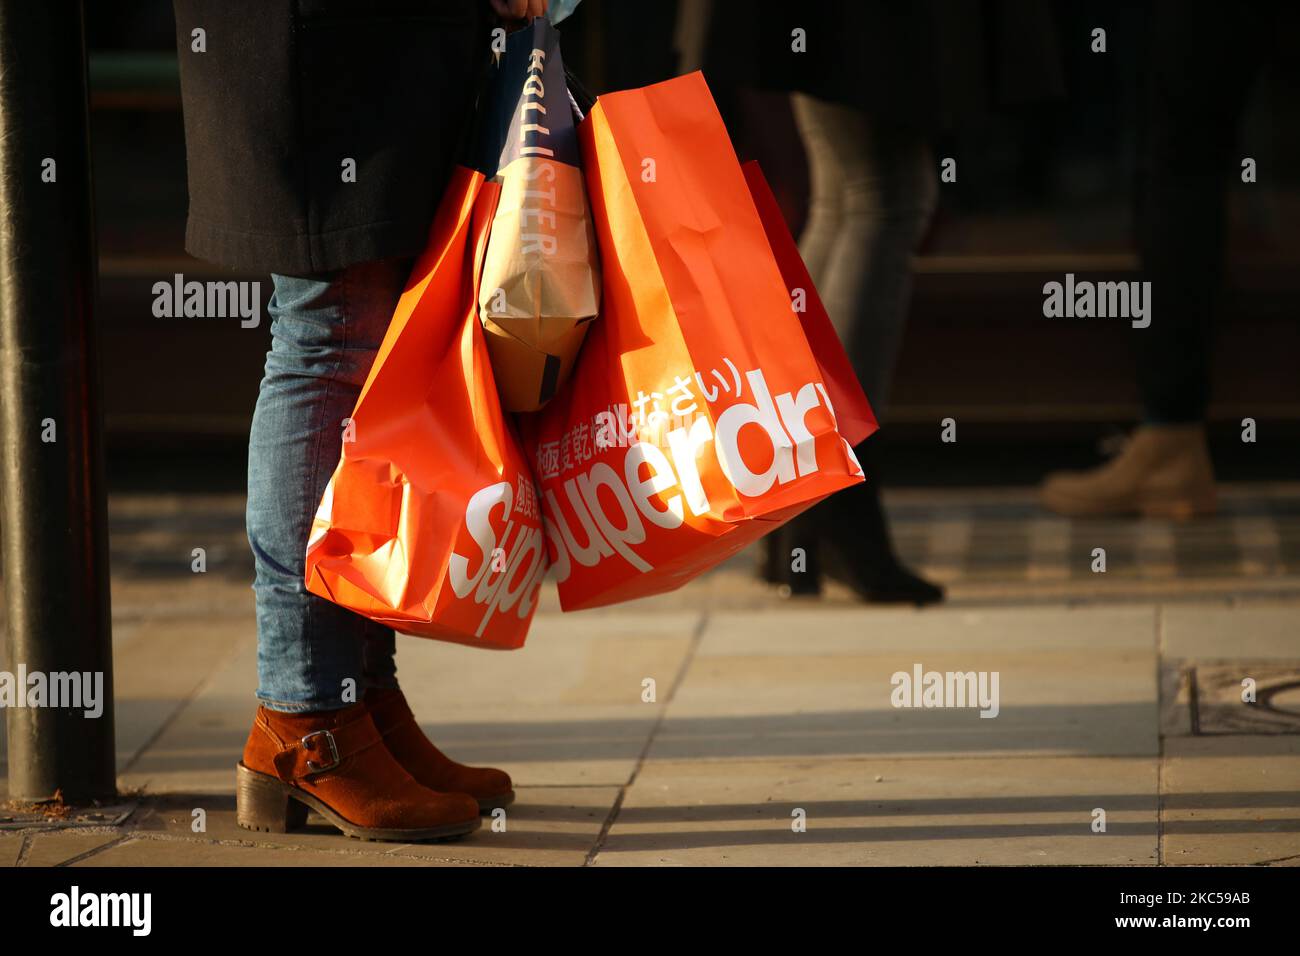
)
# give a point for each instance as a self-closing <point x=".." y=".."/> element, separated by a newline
<point x="1202" y="64"/>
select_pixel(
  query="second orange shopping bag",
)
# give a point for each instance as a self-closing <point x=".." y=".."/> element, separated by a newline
<point x="698" y="417"/>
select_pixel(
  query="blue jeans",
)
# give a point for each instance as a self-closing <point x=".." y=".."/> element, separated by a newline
<point x="325" y="330"/>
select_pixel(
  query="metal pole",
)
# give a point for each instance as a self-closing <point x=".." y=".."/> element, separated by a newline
<point x="52" y="500"/>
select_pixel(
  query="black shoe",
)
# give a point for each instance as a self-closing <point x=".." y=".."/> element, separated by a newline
<point x="892" y="585"/>
<point x="860" y="552"/>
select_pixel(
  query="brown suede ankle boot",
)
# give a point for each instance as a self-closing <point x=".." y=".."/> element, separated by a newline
<point x="425" y="762"/>
<point x="334" y="762"/>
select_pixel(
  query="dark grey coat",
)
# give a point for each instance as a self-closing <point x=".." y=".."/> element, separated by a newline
<point x="287" y="90"/>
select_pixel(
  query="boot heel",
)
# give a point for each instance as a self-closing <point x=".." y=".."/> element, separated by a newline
<point x="263" y="803"/>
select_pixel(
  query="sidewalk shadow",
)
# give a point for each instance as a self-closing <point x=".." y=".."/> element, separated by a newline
<point x="1099" y="730"/>
<point x="1095" y="729"/>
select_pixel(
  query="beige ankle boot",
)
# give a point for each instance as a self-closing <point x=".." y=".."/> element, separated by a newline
<point x="1164" y="471"/>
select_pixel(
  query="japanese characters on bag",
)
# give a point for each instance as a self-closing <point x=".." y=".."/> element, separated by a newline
<point x="648" y="461"/>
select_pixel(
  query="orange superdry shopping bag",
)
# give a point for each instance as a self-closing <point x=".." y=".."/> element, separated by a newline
<point x="697" y="418"/>
<point x="431" y="522"/>
<point x="853" y="415"/>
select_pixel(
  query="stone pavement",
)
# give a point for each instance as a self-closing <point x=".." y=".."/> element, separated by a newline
<point x="771" y="738"/>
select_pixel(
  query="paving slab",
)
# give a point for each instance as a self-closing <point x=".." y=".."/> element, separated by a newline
<point x="571" y="659"/>
<point x="159" y="665"/>
<point x="546" y="826"/>
<point x="162" y="852"/>
<point x="54" y="847"/>
<point x="1252" y="632"/>
<point x="11" y="845"/>
<point x="182" y="597"/>
<point x="566" y="709"/>
<point x="887" y="812"/>
<point x="786" y="685"/>
<point x="198" y="749"/>
<point x="1230" y="800"/>
<point x="168" y="637"/>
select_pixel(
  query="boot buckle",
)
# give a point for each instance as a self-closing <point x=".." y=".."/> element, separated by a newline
<point x="334" y="758"/>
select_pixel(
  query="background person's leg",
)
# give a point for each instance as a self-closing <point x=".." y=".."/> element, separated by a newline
<point x="1202" y="68"/>
<point x="325" y="333"/>
<point x="817" y="126"/>
<point x="795" y="545"/>
<point x="873" y="191"/>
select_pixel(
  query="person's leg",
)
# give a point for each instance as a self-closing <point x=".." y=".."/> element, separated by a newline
<point x="314" y="742"/>
<point x="873" y="193"/>
<point x="1201" y="69"/>
<point x="325" y="332"/>
<point x="880" y="182"/>
<point x="821" y="231"/>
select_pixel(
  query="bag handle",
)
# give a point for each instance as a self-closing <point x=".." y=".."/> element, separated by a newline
<point x="581" y="99"/>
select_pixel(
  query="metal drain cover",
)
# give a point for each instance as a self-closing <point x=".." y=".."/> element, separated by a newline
<point x="1219" y="708"/>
